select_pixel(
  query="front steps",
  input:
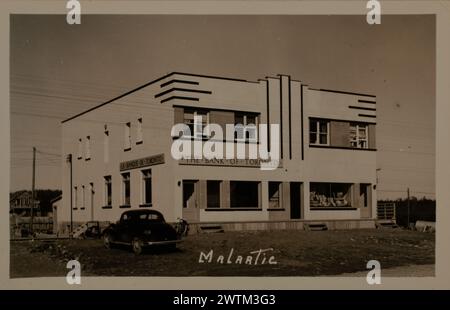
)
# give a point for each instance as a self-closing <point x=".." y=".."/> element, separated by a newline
<point x="315" y="226"/>
<point x="343" y="224"/>
<point x="386" y="224"/>
<point x="208" y="229"/>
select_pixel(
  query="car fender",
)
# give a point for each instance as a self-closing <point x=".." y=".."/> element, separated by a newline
<point x="111" y="229"/>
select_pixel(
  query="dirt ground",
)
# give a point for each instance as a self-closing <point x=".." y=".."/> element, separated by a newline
<point x="402" y="271"/>
<point x="297" y="253"/>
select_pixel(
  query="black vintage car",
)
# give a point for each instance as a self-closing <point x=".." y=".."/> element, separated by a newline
<point x="141" y="228"/>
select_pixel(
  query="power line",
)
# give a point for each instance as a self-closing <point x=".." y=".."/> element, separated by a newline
<point x="47" y="159"/>
<point x="39" y="115"/>
<point x="41" y="78"/>
<point x="405" y="124"/>
<point x="53" y="96"/>
<point x="46" y="153"/>
<point x="406" y="152"/>
<point x="410" y="169"/>
<point x="37" y="164"/>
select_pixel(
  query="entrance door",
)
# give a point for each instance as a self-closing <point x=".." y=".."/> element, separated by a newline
<point x="191" y="211"/>
<point x="296" y="205"/>
<point x="365" y="200"/>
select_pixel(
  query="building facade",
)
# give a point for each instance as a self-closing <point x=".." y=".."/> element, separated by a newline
<point x="121" y="155"/>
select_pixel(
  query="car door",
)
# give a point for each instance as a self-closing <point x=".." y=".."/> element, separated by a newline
<point x="121" y="231"/>
<point x="138" y="226"/>
<point x="126" y="230"/>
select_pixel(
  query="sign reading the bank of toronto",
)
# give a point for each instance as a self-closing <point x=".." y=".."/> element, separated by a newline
<point x="142" y="162"/>
<point x="189" y="149"/>
<point x="256" y="163"/>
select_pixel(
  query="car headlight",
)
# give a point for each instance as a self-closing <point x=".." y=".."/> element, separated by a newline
<point x="147" y="232"/>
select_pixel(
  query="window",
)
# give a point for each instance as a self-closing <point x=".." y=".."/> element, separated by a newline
<point x="126" y="189"/>
<point x="359" y="135"/>
<point x="274" y="195"/>
<point x="139" y="138"/>
<point x="88" y="148"/>
<point x="196" y="121"/>
<point x="80" y="149"/>
<point x="244" y="194"/>
<point x="330" y="195"/>
<point x="75" y="197"/>
<point x="108" y="191"/>
<point x="319" y="132"/>
<point x="147" y="187"/>
<point x="106" y="146"/>
<point x="127" y="145"/>
<point x="189" y="121"/>
<point x="246" y="125"/>
<point x="136" y="217"/>
<point x="83" y="198"/>
<point x="213" y="194"/>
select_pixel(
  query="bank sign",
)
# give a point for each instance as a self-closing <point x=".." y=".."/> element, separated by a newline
<point x="256" y="163"/>
<point x="142" y="162"/>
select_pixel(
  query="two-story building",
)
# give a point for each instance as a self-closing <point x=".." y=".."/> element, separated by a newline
<point x="122" y="158"/>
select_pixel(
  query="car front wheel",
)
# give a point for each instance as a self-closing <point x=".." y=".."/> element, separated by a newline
<point x="137" y="245"/>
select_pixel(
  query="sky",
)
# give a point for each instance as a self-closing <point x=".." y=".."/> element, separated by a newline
<point x="58" y="70"/>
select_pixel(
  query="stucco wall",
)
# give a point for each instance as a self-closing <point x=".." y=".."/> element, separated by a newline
<point x="335" y="105"/>
<point x="156" y="130"/>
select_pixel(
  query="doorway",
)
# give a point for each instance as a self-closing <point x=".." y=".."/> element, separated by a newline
<point x="365" y="200"/>
<point x="296" y="203"/>
<point x="191" y="211"/>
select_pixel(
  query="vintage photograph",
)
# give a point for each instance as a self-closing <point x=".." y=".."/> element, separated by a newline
<point x="222" y="145"/>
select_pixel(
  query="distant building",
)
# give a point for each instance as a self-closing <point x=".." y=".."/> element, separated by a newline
<point x="20" y="203"/>
<point x="121" y="155"/>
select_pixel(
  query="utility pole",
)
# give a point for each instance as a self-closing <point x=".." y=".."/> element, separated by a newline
<point x="32" y="191"/>
<point x="408" y="204"/>
<point x="69" y="159"/>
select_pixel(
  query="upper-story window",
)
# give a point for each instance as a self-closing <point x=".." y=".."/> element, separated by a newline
<point x="127" y="145"/>
<point x="246" y="125"/>
<point x="139" y="135"/>
<point x="359" y="135"/>
<point x="106" y="145"/>
<point x="80" y="149"/>
<point x="88" y="148"/>
<point x="319" y="132"/>
<point x="196" y="121"/>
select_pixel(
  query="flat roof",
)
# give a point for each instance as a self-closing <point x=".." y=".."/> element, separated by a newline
<point x="150" y="83"/>
<point x="342" y="92"/>
<point x="202" y="76"/>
